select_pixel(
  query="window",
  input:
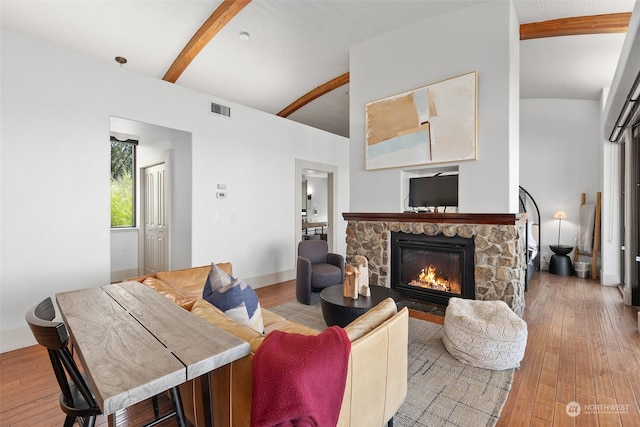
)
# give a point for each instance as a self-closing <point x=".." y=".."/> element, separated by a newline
<point x="123" y="182"/>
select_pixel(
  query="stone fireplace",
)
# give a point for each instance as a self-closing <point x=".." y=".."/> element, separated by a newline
<point x="499" y="266"/>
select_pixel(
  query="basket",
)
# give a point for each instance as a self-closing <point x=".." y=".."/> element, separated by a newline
<point x="582" y="269"/>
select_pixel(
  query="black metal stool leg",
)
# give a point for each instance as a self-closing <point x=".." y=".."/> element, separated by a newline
<point x="156" y="411"/>
<point x="177" y="402"/>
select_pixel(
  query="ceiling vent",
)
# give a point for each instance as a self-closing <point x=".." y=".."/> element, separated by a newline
<point x="221" y="110"/>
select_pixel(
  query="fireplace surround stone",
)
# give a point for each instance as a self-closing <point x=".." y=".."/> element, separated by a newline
<point x="500" y="262"/>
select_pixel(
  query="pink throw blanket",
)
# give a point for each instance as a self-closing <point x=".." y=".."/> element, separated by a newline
<point x="299" y="380"/>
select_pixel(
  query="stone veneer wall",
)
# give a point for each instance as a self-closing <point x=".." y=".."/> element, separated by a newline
<point x="500" y="266"/>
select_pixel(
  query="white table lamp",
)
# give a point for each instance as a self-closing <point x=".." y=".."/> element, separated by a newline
<point x="560" y="215"/>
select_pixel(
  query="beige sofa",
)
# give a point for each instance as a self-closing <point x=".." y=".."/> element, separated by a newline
<point x="376" y="378"/>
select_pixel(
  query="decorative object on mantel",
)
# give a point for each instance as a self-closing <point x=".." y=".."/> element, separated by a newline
<point x="350" y="286"/>
<point x="363" y="276"/>
<point x="432" y="124"/>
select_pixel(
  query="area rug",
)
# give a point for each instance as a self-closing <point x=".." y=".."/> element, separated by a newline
<point x="441" y="390"/>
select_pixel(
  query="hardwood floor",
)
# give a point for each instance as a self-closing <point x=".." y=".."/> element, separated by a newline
<point x="583" y="347"/>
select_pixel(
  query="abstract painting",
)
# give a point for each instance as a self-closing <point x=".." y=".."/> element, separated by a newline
<point x="433" y="124"/>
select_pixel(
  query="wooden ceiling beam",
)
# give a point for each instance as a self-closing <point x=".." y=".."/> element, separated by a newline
<point x="594" y="24"/>
<point x="578" y="25"/>
<point x="218" y="19"/>
<point x="315" y="93"/>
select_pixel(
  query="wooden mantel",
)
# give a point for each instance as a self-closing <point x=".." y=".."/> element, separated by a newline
<point x="440" y="218"/>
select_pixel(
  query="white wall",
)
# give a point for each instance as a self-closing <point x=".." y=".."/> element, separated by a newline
<point x="611" y="192"/>
<point x="428" y="52"/>
<point x="124" y="253"/>
<point x="54" y="177"/>
<point x="560" y="158"/>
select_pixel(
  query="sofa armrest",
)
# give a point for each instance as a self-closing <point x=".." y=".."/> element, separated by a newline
<point x="377" y="379"/>
<point x="303" y="280"/>
<point x="371" y="319"/>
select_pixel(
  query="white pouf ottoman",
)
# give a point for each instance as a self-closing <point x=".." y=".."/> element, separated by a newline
<point x="486" y="334"/>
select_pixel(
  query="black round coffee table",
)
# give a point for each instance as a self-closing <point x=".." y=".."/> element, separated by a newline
<point x="338" y="310"/>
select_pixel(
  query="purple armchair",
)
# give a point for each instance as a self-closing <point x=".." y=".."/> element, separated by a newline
<point x="316" y="269"/>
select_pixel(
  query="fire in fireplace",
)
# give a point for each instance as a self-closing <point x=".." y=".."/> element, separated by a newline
<point x="432" y="269"/>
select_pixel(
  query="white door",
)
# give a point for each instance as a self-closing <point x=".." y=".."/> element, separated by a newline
<point x="156" y="231"/>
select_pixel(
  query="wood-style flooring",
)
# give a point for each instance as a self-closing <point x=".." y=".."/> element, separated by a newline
<point x="583" y="347"/>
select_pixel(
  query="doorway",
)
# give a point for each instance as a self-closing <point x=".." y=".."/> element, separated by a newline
<point x="314" y="205"/>
<point x="156" y="145"/>
<point x="315" y="202"/>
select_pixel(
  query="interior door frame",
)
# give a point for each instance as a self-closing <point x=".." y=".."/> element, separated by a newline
<point x="332" y="193"/>
<point x="150" y="161"/>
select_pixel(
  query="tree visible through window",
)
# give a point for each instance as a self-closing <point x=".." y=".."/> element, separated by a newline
<point x="123" y="156"/>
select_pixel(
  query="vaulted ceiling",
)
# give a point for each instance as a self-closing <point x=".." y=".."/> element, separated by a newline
<point x="292" y="57"/>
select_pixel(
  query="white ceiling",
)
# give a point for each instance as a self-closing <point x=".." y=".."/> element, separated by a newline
<point x="295" y="46"/>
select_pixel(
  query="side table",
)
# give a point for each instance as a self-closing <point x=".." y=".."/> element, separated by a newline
<point x="560" y="263"/>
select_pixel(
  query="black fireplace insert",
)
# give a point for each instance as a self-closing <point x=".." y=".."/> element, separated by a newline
<point x="432" y="269"/>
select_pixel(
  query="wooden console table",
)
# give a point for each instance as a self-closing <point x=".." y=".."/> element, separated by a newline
<point x="134" y="344"/>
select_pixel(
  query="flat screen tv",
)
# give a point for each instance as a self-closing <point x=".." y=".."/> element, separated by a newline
<point x="432" y="191"/>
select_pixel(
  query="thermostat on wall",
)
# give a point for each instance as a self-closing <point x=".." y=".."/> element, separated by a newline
<point x="221" y="195"/>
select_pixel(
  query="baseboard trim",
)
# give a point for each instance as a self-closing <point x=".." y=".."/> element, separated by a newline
<point x="271" y="279"/>
<point x="13" y="339"/>
<point x="610" y="279"/>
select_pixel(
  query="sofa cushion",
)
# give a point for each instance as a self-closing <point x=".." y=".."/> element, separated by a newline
<point x="289" y="326"/>
<point x="269" y="317"/>
<point x="190" y="281"/>
<point x="205" y="310"/>
<point x="233" y="297"/>
<point x="323" y="275"/>
<point x="172" y="293"/>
